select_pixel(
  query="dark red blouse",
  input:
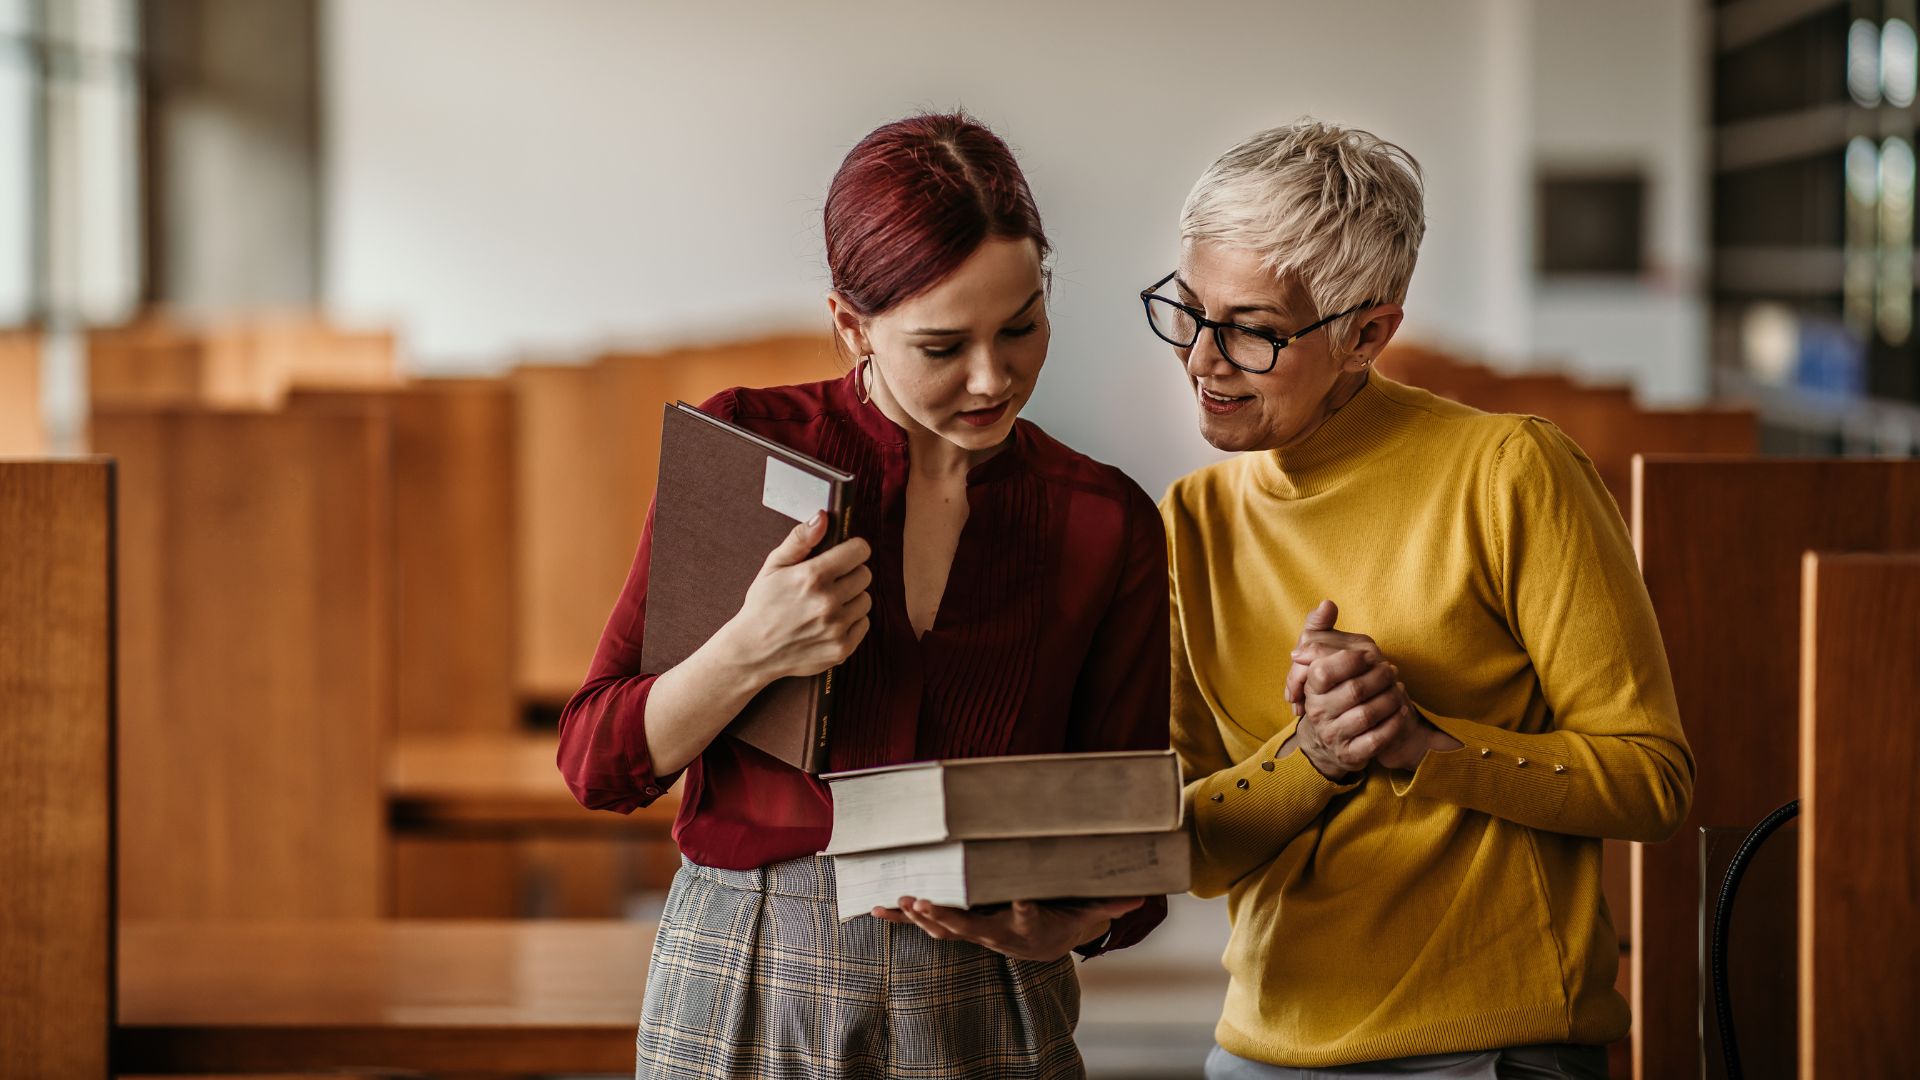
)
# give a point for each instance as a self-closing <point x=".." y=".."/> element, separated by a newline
<point x="1051" y="637"/>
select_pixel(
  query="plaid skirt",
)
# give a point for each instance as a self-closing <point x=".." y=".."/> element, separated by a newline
<point x="753" y="975"/>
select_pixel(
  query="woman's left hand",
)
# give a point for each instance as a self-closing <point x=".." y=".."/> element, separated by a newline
<point x="1024" y="930"/>
<point x="1335" y="657"/>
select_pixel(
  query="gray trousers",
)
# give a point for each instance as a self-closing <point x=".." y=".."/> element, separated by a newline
<point x="1552" y="1061"/>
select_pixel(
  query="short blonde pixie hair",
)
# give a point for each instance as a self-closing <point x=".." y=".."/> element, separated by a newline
<point x="1339" y="210"/>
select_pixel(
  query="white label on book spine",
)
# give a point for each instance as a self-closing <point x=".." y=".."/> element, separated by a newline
<point x="793" y="492"/>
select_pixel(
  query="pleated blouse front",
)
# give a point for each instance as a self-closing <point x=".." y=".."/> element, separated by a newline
<point x="1051" y="636"/>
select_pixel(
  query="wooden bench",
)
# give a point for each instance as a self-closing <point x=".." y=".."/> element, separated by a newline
<point x="56" y="767"/>
<point x="477" y="997"/>
<point x="495" y="786"/>
<point x="1859" y="977"/>
<point x="247" y="993"/>
<point x="483" y="827"/>
<point x="508" y="514"/>
<point x="1720" y="544"/>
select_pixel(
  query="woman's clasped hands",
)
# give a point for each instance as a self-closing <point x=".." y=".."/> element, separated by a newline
<point x="1352" y="706"/>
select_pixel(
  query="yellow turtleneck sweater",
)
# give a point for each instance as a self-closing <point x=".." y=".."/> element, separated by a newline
<point x="1456" y="907"/>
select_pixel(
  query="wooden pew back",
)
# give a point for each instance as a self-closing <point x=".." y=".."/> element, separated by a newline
<point x="457" y="719"/>
<point x="589" y="453"/>
<point x="22" y="430"/>
<point x="255" y="644"/>
<point x="1612" y="437"/>
<point x="1860" y="817"/>
<point x="1603" y="419"/>
<point x="579" y="481"/>
<point x="56" y="767"/>
<point x="1720" y="543"/>
<point x="250" y="363"/>
<point x="453" y="443"/>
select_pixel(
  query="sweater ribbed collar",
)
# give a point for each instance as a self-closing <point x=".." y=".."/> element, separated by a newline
<point x="1367" y="425"/>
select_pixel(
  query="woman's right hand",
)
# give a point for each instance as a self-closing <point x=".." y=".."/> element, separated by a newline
<point x="801" y="615"/>
<point x="1348" y="697"/>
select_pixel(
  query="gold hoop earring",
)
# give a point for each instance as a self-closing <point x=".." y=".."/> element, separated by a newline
<point x="861" y="389"/>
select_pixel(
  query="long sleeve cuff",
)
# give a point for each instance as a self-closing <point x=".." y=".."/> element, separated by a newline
<point x="1508" y="774"/>
<point x="1243" y="815"/>
<point x="603" y="752"/>
<point x="1128" y="929"/>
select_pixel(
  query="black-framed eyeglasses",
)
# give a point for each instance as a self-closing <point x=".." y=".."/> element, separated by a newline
<point x="1251" y="350"/>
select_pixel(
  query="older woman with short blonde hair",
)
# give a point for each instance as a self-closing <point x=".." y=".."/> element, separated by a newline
<point x="1405" y="807"/>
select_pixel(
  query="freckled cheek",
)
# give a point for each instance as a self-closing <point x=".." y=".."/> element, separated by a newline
<point x="927" y="392"/>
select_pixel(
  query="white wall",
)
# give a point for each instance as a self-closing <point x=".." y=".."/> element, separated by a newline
<point x="1620" y="84"/>
<point x="513" y="179"/>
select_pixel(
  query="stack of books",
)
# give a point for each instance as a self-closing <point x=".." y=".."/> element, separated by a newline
<point x="982" y="831"/>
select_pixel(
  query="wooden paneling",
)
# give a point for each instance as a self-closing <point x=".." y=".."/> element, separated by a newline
<point x="56" y="768"/>
<point x="1603" y="419"/>
<point x="453" y="507"/>
<point x="435" y="877"/>
<point x="255" y="662"/>
<point x="589" y="452"/>
<point x="307" y="351"/>
<point x="1612" y="438"/>
<point x="415" y="996"/>
<point x="1762" y="941"/>
<point x="248" y="364"/>
<point x="1860" y="833"/>
<point x="581" y="492"/>
<point x="156" y="363"/>
<point x="1720" y="543"/>
<point x="22" y="432"/>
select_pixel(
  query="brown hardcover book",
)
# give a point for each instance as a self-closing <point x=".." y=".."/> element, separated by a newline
<point x="726" y="497"/>
<point x="966" y="873"/>
<point x="998" y="798"/>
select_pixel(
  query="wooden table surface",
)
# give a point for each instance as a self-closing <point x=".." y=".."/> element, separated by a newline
<point x="499" y="783"/>
<point x="454" y="996"/>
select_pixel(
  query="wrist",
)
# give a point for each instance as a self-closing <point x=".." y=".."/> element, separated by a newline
<point x="733" y="663"/>
<point x="1434" y="739"/>
<point x="1331" y="771"/>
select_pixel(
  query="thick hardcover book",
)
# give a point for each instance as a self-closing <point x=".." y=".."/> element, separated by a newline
<point x="996" y="798"/>
<point x="967" y="873"/>
<point x="726" y="497"/>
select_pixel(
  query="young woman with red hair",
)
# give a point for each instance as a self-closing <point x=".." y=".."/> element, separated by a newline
<point x="1000" y="594"/>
